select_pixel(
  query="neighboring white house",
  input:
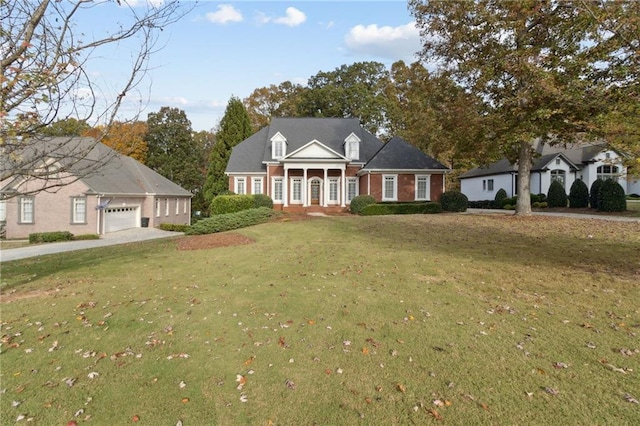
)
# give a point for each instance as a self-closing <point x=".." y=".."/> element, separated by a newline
<point x="564" y="164"/>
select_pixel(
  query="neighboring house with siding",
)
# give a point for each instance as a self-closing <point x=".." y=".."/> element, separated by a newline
<point x="565" y="164"/>
<point x="321" y="164"/>
<point x="101" y="192"/>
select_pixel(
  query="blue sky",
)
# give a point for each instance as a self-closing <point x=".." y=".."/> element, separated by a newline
<point x="223" y="49"/>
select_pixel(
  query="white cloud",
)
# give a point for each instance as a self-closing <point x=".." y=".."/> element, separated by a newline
<point x="226" y="13"/>
<point x="387" y="42"/>
<point x="292" y="18"/>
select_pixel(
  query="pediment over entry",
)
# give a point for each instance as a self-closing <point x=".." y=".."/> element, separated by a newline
<point x="315" y="150"/>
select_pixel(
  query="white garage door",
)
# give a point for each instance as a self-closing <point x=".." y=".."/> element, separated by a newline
<point x="117" y="218"/>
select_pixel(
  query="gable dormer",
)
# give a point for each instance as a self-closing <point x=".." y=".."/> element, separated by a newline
<point x="278" y="146"/>
<point x="352" y="147"/>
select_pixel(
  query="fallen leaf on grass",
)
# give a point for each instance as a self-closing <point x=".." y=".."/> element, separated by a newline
<point x="184" y="400"/>
<point x="401" y="388"/>
<point x="241" y="381"/>
<point x="135" y="418"/>
<point x="629" y="398"/>
<point x="434" y="413"/>
<point x="551" y="391"/>
<point x="243" y="398"/>
<point x="289" y="384"/>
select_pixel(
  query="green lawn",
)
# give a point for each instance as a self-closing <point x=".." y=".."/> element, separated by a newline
<point x="454" y="319"/>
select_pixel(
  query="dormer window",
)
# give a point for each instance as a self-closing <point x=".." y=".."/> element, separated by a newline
<point x="278" y="146"/>
<point x="352" y="147"/>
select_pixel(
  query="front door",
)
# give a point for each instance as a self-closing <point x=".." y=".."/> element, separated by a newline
<point x="315" y="193"/>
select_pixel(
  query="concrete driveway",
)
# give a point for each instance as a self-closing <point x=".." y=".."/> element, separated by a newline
<point x="112" y="238"/>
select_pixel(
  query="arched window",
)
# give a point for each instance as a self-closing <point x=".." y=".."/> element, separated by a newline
<point x="608" y="172"/>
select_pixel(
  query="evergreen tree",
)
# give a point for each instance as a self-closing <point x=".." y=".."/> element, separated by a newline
<point x="235" y="127"/>
<point x="594" y="194"/>
<point x="611" y="197"/>
<point x="557" y="197"/>
<point x="578" y="194"/>
<point x="171" y="148"/>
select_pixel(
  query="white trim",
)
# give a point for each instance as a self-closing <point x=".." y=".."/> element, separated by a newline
<point x="299" y="181"/>
<point x="394" y="179"/>
<point x="254" y="181"/>
<point x="427" y="190"/>
<point x="236" y="185"/>
<point x="354" y="181"/>
<point x="274" y="180"/>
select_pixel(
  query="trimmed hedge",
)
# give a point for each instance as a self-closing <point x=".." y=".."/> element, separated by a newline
<point x="359" y="202"/>
<point x="262" y="200"/>
<point x="50" y="237"/>
<point x="223" y="204"/>
<point x="84" y="237"/>
<point x="454" y="201"/>
<point x="231" y="221"/>
<point x="401" y="208"/>
<point x="173" y="227"/>
<point x="611" y="197"/>
<point x="578" y="195"/>
<point x="557" y="196"/>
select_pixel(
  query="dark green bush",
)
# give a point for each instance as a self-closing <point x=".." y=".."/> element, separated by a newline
<point x="361" y="201"/>
<point x="578" y="195"/>
<point x="594" y="193"/>
<point x="262" y="200"/>
<point x="512" y="201"/>
<point x="539" y="205"/>
<point x="83" y="237"/>
<point x="400" y="208"/>
<point x="230" y="221"/>
<point x="611" y="197"/>
<point x="50" y="237"/>
<point x="223" y="204"/>
<point x="174" y="227"/>
<point x="557" y="197"/>
<point x="481" y="204"/>
<point x="454" y="201"/>
<point x="498" y="201"/>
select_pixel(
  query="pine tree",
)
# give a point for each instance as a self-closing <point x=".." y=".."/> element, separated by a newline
<point x="235" y="127"/>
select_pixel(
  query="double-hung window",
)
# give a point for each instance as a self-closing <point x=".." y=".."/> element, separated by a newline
<point x="257" y="185"/>
<point x="352" y="188"/>
<point x="241" y="186"/>
<point x="157" y="207"/>
<point x="166" y="207"/>
<point x="3" y="211"/>
<point x="278" y="189"/>
<point x="389" y="187"/>
<point x="296" y="190"/>
<point x="177" y="205"/>
<point x="333" y="190"/>
<point x="79" y="210"/>
<point x="422" y="187"/>
<point x="26" y="210"/>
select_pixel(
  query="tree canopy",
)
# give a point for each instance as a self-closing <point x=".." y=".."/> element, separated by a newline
<point x="543" y="70"/>
<point x="171" y="149"/>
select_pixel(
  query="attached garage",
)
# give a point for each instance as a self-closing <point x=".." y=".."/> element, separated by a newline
<point x="118" y="218"/>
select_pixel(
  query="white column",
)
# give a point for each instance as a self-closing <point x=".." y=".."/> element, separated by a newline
<point x="285" y="188"/>
<point x="325" y="188"/>
<point x="304" y="188"/>
<point x="342" y="187"/>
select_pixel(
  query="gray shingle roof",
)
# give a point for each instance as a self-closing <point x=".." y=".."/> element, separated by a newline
<point x="398" y="154"/>
<point x="575" y="155"/>
<point x="104" y="170"/>
<point x="250" y="155"/>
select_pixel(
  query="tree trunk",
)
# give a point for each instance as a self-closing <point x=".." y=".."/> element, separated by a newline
<point x="523" y="205"/>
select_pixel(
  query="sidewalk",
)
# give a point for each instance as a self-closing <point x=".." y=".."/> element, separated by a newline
<point x="112" y="238"/>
